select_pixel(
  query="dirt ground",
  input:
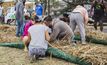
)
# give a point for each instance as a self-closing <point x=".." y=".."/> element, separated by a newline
<point x="95" y="53"/>
<point x="12" y="56"/>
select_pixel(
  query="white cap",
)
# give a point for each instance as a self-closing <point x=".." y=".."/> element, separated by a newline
<point x="27" y="14"/>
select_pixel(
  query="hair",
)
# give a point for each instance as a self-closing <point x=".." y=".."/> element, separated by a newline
<point x="48" y="18"/>
<point x="27" y="17"/>
<point x="33" y="15"/>
<point x="82" y="4"/>
<point x="65" y="15"/>
<point x="37" y="19"/>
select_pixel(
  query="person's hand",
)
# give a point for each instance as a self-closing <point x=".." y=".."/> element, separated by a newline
<point x="14" y="12"/>
<point x="86" y="23"/>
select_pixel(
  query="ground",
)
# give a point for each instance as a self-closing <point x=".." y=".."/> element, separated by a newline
<point x="95" y="53"/>
<point x="12" y="56"/>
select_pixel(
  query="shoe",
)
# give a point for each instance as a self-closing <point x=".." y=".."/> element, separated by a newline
<point x="74" y="43"/>
<point x="84" y="43"/>
<point x="33" y="59"/>
<point x="17" y="35"/>
<point x="25" y="49"/>
<point x="41" y="58"/>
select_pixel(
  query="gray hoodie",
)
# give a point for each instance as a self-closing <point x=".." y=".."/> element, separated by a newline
<point x="61" y="30"/>
<point x="19" y="10"/>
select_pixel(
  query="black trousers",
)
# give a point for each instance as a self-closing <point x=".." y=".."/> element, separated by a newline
<point x="98" y="19"/>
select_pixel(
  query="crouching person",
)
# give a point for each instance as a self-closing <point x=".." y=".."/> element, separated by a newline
<point x="60" y="29"/>
<point x="38" y="37"/>
<point x="28" y="22"/>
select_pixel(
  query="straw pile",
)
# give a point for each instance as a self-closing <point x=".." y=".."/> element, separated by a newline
<point x="7" y="33"/>
<point x="96" y="34"/>
<point x="7" y="28"/>
<point x="96" y="54"/>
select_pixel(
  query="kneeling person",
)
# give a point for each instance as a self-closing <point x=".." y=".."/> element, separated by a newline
<point x="38" y="37"/>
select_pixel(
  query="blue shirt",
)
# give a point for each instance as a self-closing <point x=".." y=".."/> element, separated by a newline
<point x="39" y="10"/>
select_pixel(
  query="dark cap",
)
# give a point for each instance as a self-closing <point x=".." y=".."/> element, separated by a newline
<point x="65" y="15"/>
<point x="48" y="18"/>
<point x="37" y="19"/>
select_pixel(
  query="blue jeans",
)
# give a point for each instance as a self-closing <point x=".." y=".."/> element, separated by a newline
<point x="19" y="28"/>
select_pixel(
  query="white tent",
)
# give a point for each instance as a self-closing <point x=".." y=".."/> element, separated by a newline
<point x="7" y="0"/>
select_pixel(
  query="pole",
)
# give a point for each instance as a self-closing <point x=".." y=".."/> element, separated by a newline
<point x="48" y="7"/>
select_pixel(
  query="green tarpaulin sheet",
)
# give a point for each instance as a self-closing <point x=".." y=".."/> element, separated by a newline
<point x="92" y="40"/>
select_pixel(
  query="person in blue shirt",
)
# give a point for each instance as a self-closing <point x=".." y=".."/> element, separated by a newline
<point x="39" y="10"/>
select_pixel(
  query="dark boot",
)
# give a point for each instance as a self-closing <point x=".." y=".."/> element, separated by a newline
<point x="101" y="25"/>
<point x="95" y="25"/>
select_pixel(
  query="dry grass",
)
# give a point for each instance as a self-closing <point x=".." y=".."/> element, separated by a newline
<point x="7" y="33"/>
<point x="96" y="34"/>
<point x="12" y="56"/>
<point x="96" y="54"/>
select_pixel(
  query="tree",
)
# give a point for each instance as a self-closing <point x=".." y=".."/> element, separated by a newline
<point x="72" y="4"/>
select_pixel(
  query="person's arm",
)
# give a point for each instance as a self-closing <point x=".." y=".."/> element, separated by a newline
<point x="29" y="37"/>
<point x="43" y="13"/>
<point x="92" y="6"/>
<point x="47" y="35"/>
<point x="86" y="17"/>
<point x="104" y="6"/>
<point x="54" y="33"/>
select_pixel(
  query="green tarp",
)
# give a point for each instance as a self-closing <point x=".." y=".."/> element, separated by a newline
<point x="12" y="45"/>
<point x="70" y="58"/>
<point x="92" y="40"/>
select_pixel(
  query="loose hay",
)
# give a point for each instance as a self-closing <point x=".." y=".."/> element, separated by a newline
<point x="7" y="34"/>
<point x="96" y="54"/>
<point x="96" y="34"/>
<point x="7" y="28"/>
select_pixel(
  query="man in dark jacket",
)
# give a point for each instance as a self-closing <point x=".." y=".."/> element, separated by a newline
<point x="99" y="8"/>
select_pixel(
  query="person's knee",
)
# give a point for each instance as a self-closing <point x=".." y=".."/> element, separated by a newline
<point x="25" y="39"/>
